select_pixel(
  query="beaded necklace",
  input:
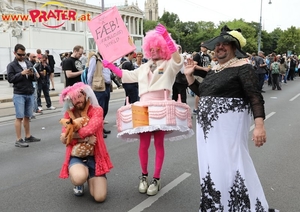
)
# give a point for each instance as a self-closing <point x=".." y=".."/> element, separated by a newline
<point x="225" y="65"/>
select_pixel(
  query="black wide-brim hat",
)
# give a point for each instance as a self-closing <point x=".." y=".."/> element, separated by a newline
<point x="228" y="35"/>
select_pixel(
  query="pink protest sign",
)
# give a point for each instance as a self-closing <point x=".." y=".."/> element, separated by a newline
<point x="111" y="35"/>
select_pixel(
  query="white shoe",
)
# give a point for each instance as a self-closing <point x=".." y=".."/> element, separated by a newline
<point x="143" y="186"/>
<point x="51" y="108"/>
<point x="154" y="187"/>
<point x="105" y="122"/>
<point x="40" y="108"/>
<point x="78" y="190"/>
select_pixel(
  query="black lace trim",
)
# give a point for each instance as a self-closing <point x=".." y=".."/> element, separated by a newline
<point x="210" y="197"/>
<point x="209" y="109"/>
<point x="259" y="207"/>
<point x="239" y="197"/>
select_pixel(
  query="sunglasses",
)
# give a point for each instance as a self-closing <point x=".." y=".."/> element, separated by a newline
<point x="21" y="55"/>
<point x="223" y="43"/>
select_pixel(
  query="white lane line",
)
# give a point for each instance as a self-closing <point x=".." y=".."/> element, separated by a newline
<point x="268" y="116"/>
<point x="117" y="100"/>
<point x="292" y="99"/>
<point x="150" y="200"/>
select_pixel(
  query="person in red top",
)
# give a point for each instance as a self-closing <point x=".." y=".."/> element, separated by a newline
<point x="39" y="54"/>
<point x="94" y="167"/>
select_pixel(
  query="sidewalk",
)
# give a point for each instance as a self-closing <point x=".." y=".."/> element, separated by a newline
<point x="6" y="91"/>
<point x="7" y="111"/>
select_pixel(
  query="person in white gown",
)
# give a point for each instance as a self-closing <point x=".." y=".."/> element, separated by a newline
<point x="229" y="96"/>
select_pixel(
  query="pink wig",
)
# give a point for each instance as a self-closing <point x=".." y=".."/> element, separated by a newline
<point x="72" y="92"/>
<point x="155" y="40"/>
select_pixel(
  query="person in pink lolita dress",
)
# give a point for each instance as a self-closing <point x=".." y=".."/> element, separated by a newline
<point x="155" y="78"/>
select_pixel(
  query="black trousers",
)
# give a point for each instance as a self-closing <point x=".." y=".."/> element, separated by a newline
<point x="43" y="86"/>
<point x="275" y="82"/>
<point x="131" y="91"/>
<point x="291" y="74"/>
<point x="179" y="88"/>
<point x="261" y="80"/>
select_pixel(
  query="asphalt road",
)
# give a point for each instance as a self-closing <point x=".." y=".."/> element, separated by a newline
<point x="29" y="176"/>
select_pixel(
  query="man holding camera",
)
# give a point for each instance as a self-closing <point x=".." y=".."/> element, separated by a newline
<point x="21" y="74"/>
<point x="44" y="71"/>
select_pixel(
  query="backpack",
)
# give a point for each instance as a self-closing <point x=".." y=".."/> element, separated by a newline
<point x="275" y="68"/>
<point x="84" y="75"/>
<point x="282" y="68"/>
<point x="98" y="83"/>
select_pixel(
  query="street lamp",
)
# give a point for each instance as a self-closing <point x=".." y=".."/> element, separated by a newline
<point x="260" y="24"/>
<point x="102" y="3"/>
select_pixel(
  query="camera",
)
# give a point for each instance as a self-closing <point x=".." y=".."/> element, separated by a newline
<point x="115" y="79"/>
<point x="31" y="69"/>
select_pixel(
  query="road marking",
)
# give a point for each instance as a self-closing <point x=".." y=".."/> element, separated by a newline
<point x="117" y="100"/>
<point x="267" y="117"/>
<point x="292" y="99"/>
<point x="150" y="200"/>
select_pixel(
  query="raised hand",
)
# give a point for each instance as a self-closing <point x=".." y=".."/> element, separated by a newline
<point x="112" y="67"/>
<point x="161" y="29"/>
<point x="189" y="67"/>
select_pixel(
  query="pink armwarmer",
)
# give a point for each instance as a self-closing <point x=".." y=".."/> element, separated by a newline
<point x="112" y="67"/>
<point x="161" y="29"/>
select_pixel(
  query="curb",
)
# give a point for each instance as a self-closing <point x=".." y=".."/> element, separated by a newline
<point x="10" y="99"/>
<point x="52" y="94"/>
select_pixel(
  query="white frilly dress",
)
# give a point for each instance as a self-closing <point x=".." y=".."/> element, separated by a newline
<point x="172" y="117"/>
<point x="164" y="114"/>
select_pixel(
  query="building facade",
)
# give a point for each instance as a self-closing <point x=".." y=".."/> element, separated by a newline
<point x="151" y="10"/>
<point x="56" y="26"/>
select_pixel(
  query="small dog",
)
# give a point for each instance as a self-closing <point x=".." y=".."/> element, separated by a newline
<point x="73" y="124"/>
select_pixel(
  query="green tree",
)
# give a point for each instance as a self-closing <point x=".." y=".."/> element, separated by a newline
<point x="267" y="42"/>
<point x="169" y="19"/>
<point x="247" y="30"/>
<point x="274" y="37"/>
<point x="205" y="31"/>
<point x="289" y="40"/>
<point x="149" y="25"/>
<point x="187" y="28"/>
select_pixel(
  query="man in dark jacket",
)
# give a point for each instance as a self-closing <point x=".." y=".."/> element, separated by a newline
<point x="260" y="69"/>
<point x="180" y="85"/>
<point x="21" y="74"/>
<point x="44" y="71"/>
<point x="51" y="63"/>
<point x="293" y="64"/>
<point x="131" y="89"/>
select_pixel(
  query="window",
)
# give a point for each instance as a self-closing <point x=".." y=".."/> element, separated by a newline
<point x="91" y="43"/>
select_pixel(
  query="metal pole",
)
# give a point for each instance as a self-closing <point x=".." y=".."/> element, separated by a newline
<point x="259" y="33"/>
<point x="102" y="3"/>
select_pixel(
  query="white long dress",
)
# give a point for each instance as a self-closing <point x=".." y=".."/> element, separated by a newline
<point x="228" y="178"/>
